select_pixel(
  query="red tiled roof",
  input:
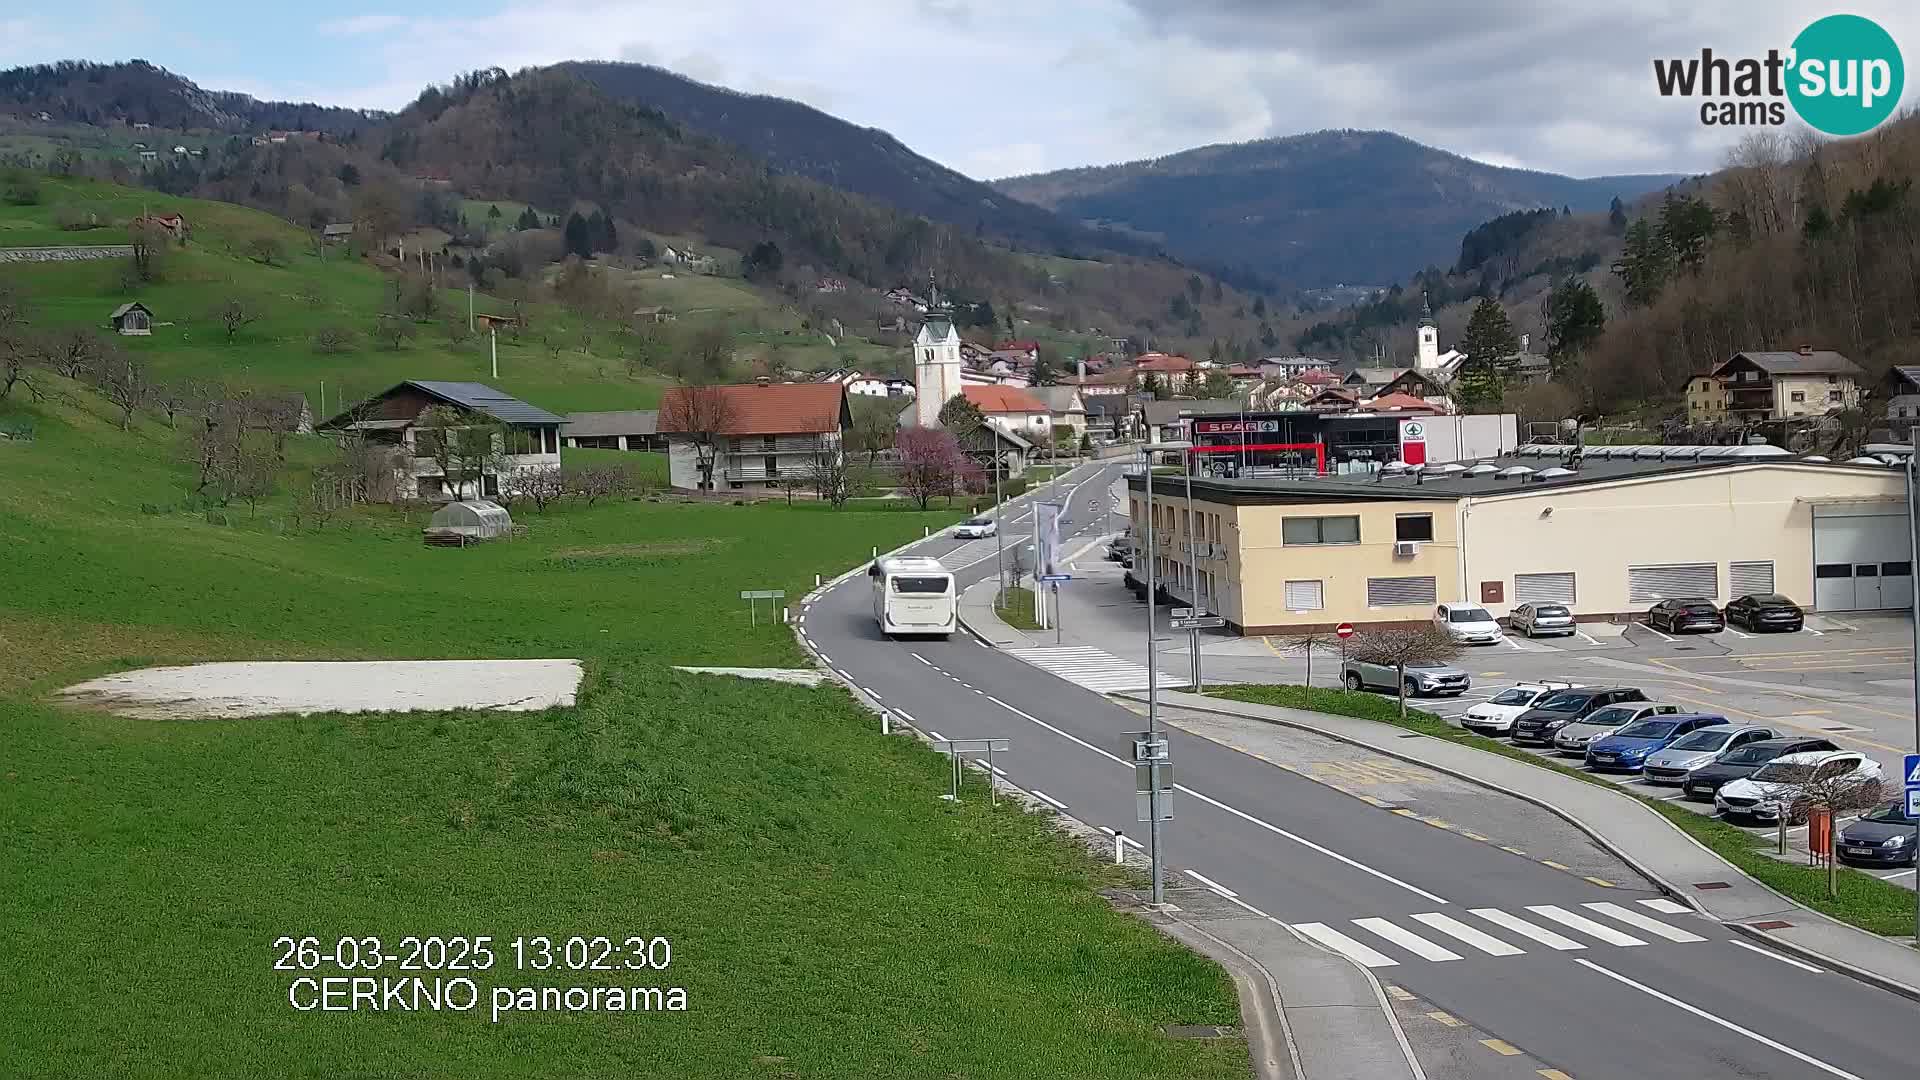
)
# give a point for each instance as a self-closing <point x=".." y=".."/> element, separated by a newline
<point x="1163" y="362"/>
<point x="1003" y="399"/>
<point x="1317" y="377"/>
<point x="1023" y="346"/>
<point x="763" y="408"/>
<point x="1397" y="402"/>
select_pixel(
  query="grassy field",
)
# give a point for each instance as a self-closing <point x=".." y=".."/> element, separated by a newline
<point x="1863" y="900"/>
<point x="829" y="917"/>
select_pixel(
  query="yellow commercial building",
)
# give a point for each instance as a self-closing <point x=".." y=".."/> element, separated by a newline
<point x="1621" y="529"/>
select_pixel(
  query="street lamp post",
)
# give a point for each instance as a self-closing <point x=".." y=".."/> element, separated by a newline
<point x="1154" y="845"/>
<point x="1913" y="541"/>
<point x="999" y="522"/>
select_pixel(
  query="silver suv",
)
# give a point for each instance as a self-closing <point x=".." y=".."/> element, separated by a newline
<point x="1425" y="677"/>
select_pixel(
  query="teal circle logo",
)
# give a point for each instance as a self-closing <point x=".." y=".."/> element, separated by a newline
<point x="1847" y="75"/>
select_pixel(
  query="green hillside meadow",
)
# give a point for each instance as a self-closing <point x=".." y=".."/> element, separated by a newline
<point x="829" y="917"/>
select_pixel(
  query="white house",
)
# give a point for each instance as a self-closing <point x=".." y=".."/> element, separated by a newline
<point x="528" y="438"/>
<point x="1014" y="411"/>
<point x="750" y="436"/>
<point x="1064" y="407"/>
<point x="861" y="384"/>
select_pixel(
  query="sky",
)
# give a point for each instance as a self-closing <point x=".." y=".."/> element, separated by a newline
<point x="1002" y="87"/>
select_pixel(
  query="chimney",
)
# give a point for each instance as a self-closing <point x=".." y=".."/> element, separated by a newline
<point x="1523" y="341"/>
<point x="1080" y="368"/>
<point x="1806" y="350"/>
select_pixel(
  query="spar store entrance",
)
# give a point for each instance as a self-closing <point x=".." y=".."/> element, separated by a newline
<point x="1298" y="441"/>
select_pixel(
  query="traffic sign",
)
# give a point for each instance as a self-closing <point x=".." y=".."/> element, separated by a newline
<point x="763" y="594"/>
<point x="1913" y="802"/>
<point x="1148" y="745"/>
<point x="1180" y="612"/>
<point x="1343" y="631"/>
<point x="1912" y="772"/>
<point x="1056" y="577"/>
<point x="1198" y="622"/>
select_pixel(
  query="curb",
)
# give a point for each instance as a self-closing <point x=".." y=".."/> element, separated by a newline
<point x="1892" y="986"/>
<point x="1259" y="1011"/>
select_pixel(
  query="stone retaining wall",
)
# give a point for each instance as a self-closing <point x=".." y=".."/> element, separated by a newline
<point x="65" y="254"/>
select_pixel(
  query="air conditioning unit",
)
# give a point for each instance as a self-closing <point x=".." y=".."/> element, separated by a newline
<point x="1405" y="549"/>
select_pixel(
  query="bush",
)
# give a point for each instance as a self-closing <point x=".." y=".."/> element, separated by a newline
<point x="1013" y="486"/>
<point x="333" y="339"/>
<point x="22" y="189"/>
<point x="76" y="218"/>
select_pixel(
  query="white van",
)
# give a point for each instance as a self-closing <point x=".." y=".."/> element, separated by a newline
<point x="913" y="595"/>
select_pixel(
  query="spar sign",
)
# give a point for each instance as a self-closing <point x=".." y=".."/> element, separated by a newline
<point x="1413" y="442"/>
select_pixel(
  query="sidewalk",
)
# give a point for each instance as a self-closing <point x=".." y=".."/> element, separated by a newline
<point x="977" y="615"/>
<point x="1678" y="864"/>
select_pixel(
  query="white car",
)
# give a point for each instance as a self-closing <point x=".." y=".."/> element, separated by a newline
<point x="1469" y="624"/>
<point x="1495" y="715"/>
<point x="1760" y="796"/>
<point x="975" y="528"/>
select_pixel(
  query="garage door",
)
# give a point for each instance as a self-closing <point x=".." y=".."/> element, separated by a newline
<point x="1861" y="559"/>
<point x="1646" y="584"/>
<point x="1543" y="588"/>
<point x="1399" y="591"/>
<point x="1749" y="577"/>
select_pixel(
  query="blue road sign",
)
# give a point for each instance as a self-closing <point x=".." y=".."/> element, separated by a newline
<point x="1056" y="577"/>
<point x="1913" y="802"/>
<point x="1912" y="772"/>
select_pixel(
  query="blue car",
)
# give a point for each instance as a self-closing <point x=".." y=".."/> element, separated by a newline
<point x="1627" y="750"/>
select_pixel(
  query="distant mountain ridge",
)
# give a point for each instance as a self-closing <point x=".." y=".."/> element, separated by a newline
<point x="797" y="138"/>
<point x="136" y="92"/>
<point x="1313" y="210"/>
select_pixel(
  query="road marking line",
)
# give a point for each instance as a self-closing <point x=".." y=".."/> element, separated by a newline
<point x="1662" y="904"/>
<point x="1454" y="928"/>
<point x="1585" y="925"/>
<point x="1890" y="877"/>
<point x="937" y="737"/>
<point x="1651" y="629"/>
<point x="1399" y="994"/>
<point x="1345" y="946"/>
<point x="997" y="770"/>
<point x="1584" y="636"/>
<point x="922" y="659"/>
<point x="1526" y="929"/>
<point x="872" y="693"/>
<point x="1408" y="940"/>
<point x="1642" y="922"/>
<point x="1771" y="955"/>
<point x="1445" y="1018"/>
<point x="827" y="658"/>
<point x="1728" y="1024"/>
<point x="907" y="716"/>
<point x="1218" y="805"/>
<point x="1554" y="1074"/>
<point x="1501" y="1047"/>
<point x="1048" y="799"/>
<point x="843" y="674"/>
<point x="1555" y="865"/>
<point x="1602" y="882"/>
<point x="1211" y="884"/>
<point x="1475" y="836"/>
<point x="1515" y="850"/>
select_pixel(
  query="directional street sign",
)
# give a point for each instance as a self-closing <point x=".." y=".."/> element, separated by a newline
<point x="1198" y="622"/>
<point x="1180" y="612"/>
<point x="763" y="594"/>
<point x="970" y="746"/>
<point x="1148" y="745"/>
<point x="1912" y="771"/>
<point x="1056" y="577"/>
<point x="1143" y="805"/>
<point x="1143" y="783"/>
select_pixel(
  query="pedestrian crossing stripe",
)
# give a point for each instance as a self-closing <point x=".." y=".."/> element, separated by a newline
<point x="1095" y="669"/>
<point x="1462" y="934"/>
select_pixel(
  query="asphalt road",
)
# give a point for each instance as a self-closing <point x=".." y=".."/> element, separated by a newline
<point x="1307" y="854"/>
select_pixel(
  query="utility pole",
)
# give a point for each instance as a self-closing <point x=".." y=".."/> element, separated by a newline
<point x="1193" y="575"/>
<point x="469" y="307"/>
<point x="1153" y="703"/>
<point x="999" y="520"/>
<point x="493" y="343"/>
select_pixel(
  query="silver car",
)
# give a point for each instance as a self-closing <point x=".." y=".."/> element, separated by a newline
<point x="1534" y="620"/>
<point x="1574" y="737"/>
<point x="1425" y="677"/>
<point x="1677" y="762"/>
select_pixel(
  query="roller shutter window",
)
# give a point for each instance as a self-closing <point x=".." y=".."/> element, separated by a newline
<point x="1400" y="591"/>
<point x="1647" y="584"/>
<point x="1543" y="589"/>
<point x="1744" y="578"/>
<point x="1304" y="596"/>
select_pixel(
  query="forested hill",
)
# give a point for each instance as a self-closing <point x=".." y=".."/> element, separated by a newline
<point x="1354" y="207"/>
<point x="802" y="140"/>
<point x="136" y="92"/>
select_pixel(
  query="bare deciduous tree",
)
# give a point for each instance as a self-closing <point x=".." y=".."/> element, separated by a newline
<point x="704" y="414"/>
<point x="233" y="316"/>
<point x="122" y="377"/>
<point x="19" y="354"/>
<point x="149" y="243"/>
<point x="71" y="353"/>
<point x="393" y="331"/>
<point x="591" y="483"/>
<point x="332" y="339"/>
<point x="541" y="486"/>
<point x="466" y="446"/>
<point x="1305" y="643"/>
<point x="825" y="474"/>
<point x="1398" y="646"/>
<point x="1836" y="790"/>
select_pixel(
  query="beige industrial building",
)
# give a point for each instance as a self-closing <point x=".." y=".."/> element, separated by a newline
<point x="1622" y="529"/>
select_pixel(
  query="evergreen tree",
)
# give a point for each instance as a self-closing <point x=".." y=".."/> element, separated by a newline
<point x="579" y="241"/>
<point x="493" y="212"/>
<point x="1687" y="226"/>
<point x="763" y="262"/>
<point x="609" y="236"/>
<point x="1575" y="319"/>
<point x="1151" y="386"/>
<point x="1617" y="215"/>
<point x="1259" y="307"/>
<point x="1218" y="385"/>
<point x="1190" y="386"/>
<point x="964" y="420"/>
<point x="1644" y="265"/>
<point x="1044" y="373"/>
<point x="527" y="220"/>
<point x="1489" y="338"/>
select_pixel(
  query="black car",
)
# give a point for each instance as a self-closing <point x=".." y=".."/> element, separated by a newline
<point x="1881" y="838"/>
<point x="1542" y="722"/>
<point x="1681" y="616"/>
<point x="1744" y="761"/>
<point x="1765" y="611"/>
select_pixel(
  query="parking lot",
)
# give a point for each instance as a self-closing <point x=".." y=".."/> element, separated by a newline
<point x="1848" y="680"/>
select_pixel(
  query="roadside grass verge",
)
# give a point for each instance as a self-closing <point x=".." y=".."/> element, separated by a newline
<point x="1015" y="608"/>
<point x="1863" y="901"/>
<point x="829" y="916"/>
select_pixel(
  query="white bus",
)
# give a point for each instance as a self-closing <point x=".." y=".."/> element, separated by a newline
<point x="913" y="595"/>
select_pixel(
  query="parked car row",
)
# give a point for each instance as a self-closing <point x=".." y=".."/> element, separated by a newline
<point x="1750" y="772"/>
<point x="1756" y="611"/>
